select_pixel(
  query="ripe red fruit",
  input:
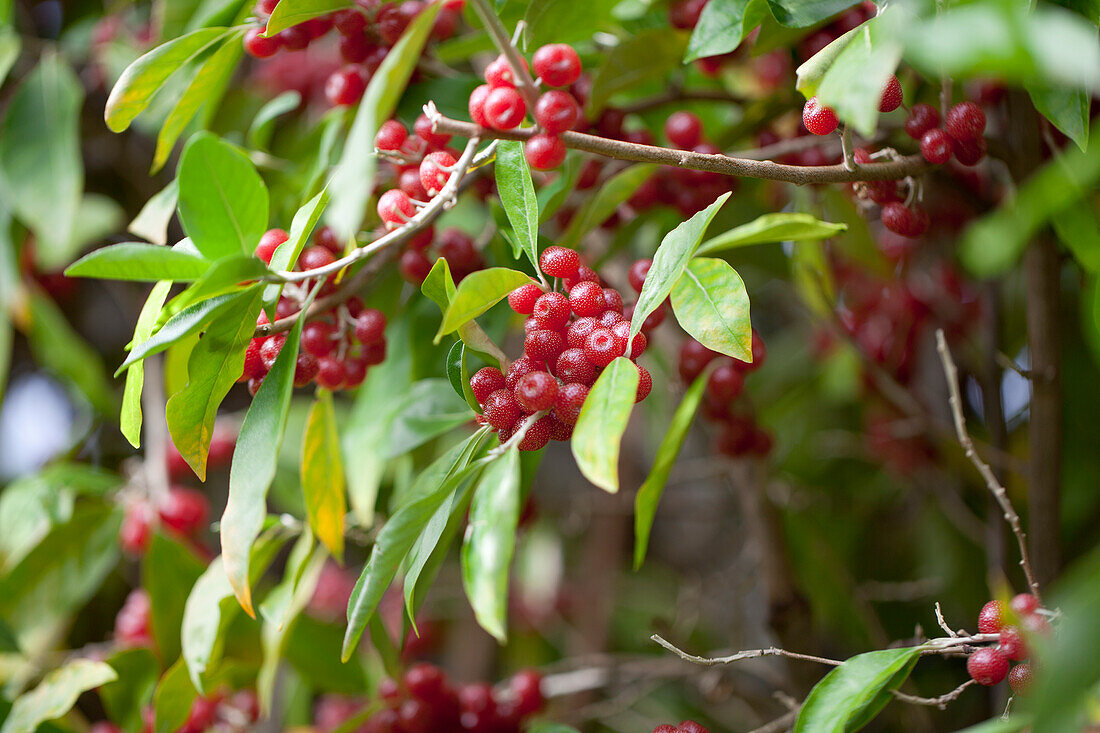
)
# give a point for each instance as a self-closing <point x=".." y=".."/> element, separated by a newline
<point x="306" y="367"/>
<point x="330" y="373"/>
<point x="269" y="242"/>
<point x="391" y="135"/>
<point x="1012" y="643"/>
<point x="579" y="330"/>
<point x="408" y="180"/>
<point x="543" y="345"/>
<point x="684" y="14"/>
<point x="355" y="49"/>
<point x="319" y="338"/>
<point x="665" y="728"/>
<point x="355" y="371"/>
<point x="395" y="208"/>
<point x="374" y="353"/>
<point x="544" y="151"/>
<point x="684" y="130"/>
<point x="622" y="333"/>
<point x="253" y="365"/>
<point x="520" y="367"/>
<point x="557" y="64"/>
<point x="132" y="624"/>
<point x="435" y="170"/>
<point x="571" y="397"/>
<point x="536" y="391"/>
<point x="536" y="438"/>
<point x="499" y="73"/>
<point x="425" y="130"/>
<point x="370" y="326"/>
<point x="690" y="726"/>
<point x="1019" y="679"/>
<point x="476" y="105"/>
<point x="936" y="146"/>
<point x="602" y="347"/>
<point x="526" y="686"/>
<point x="295" y="38"/>
<point x="694" y="358"/>
<point x="645" y="383"/>
<point x="725" y="383"/>
<point x="414" y="266"/>
<point x="922" y="118"/>
<point x="552" y="311"/>
<point x="394" y="18"/>
<point x="991" y="619"/>
<point x="987" y="666"/>
<point x="891" y="95"/>
<point x="501" y="409"/>
<point x="485" y="381"/>
<point x="558" y="261"/>
<point x="557" y="111"/>
<point x="259" y="47"/>
<point x="522" y="299"/>
<point x="586" y="299"/>
<point x="314" y="257"/>
<point x="965" y="122"/>
<point x="613" y="300"/>
<point x="818" y="119"/>
<point x="637" y="273"/>
<point x="574" y="366"/>
<point x="903" y="220"/>
<point x="326" y="237"/>
<point x="345" y="87"/>
<point x="349" y="22"/>
<point x="269" y="350"/>
<point x="970" y="152"/>
<point x="558" y="431"/>
<point x="504" y="108"/>
<point x="136" y="529"/>
<point x="1024" y="604"/>
<point x="584" y="274"/>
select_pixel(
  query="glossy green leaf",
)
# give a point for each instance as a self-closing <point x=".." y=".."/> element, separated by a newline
<point x="712" y="305"/>
<point x="477" y="293"/>
<point x="565" y="21"/>
<point x="810" y="73"/>
<point x="292" y="12"/>
<point x="143" y="78"/>
<point x="130" y="416"/>
<point x="323" y="475"/>
<point x="206" y="87"/>
<point x="56" y="694"/>
<point x="517" y="196"/>
<point x="853" y="84"/>
<point x="137" y="669"/>
<point x="41" y="170"/>
<point x="230" y="275"/>
<point x="599" y="430"/>
<point x="778" y="227"/>
<point x="186" y="322"/>
<point x="1067" y="109"/>
<point x="140" y="262"/>
<point x="353" y="178"/>
<point x="173" y="698"/>
<point x="430" y="408"/>
<point x="440" y="288"/>
<point x="458" y="374"/>
<point x="263" y="124"/>
<point x="169" y="569"/>
<point x="645" y="503"/>
<point x="286" y="254"/>
<point x="640" y="58"/>
<point x="722" y="26"/>
<point x="60" y="349"/>
<point x="253" y="468"/>
<point x="490" y="542"/>
<point x="152" y="221"/>
<point x="672" y="256"/>
<point x="803" y="13"/>
<point x="605" y="201"/>
<point x="851" y="695"/>
<point x="222" y="199"/>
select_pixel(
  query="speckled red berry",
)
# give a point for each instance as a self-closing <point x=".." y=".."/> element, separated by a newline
<point x="891" y="95"/>
<point x="435" y="170"/>
<point x="485" y="381"/>
<point x="819" y="119"/>
<point x="571" y="397"/>
<point x="922" y="118"/>
<point x="936" y="146"/>
<point x="586" y="299"/>
<point x="965" y="121"/>
<point x="552" y="311"/>
<point x="558" y="261"/>
<point x="987" y="666"/>
<point x="991" y="619"/>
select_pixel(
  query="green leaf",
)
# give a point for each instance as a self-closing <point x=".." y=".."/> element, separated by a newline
<point x="440" y="288"/>
<point x="152" y="221"/>
<point x="254" y="463"/>
<point x="263" y="124"/>
<point x="215" y="365"/>
<point x="604" y="202"/>
<point x="323" y="475"/>
<point x="353" y="179"/>
<point x="56" y="694"/>
<point x="59" y="348"/>
<point x="542" y="726"/>
<point x="851" y="695"/>
<point x="207" y="85"/>
<point x="186" y="322"/>
<point x="778" y="227"/>
<point x="1017" y="722"/>
<point x="802" y="13"/>
<point x="645" y="503"/>
<point x="602" y="422"/>
<point x="672" y="256"/>
<point x="124" y="699"/>
<point x="9" y="644"/>
<point x="286" y="254"/>
<point x="143" y="78"/>
<point x="490" y="542"/>
<point x="1067" y="109"/>
<point x="130" y="417"/>
<point x="1078" y="228"/>
<point x="565" y="21"/>
<point x="517" y="196"/>
<point x="428" y="409"/>
<point x="10" y="46"/>
<point x="223" y="202"/>
<point x="173" y="699"/>
<point x="168" y="571"/>
<point x="712" y="305"/>
<point x="232" y="275"/>
<point x="640" y="58"/>
<point x="292" y="12"/>
<point x="722" y="26"/>
<point x="477" y="293"/>
<point x="458" y="374"/>
<point x="140" y="262"/>
<point x="810" y="73"/>
<point x="41" y="170"/>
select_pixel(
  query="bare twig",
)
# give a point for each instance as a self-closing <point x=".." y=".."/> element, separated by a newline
<point x="937" y="702"/>
<point x="784" y="722"/>
<point x="942" y="622"/>
<point x="746" y="654"/>
<point x="951" y="373"/>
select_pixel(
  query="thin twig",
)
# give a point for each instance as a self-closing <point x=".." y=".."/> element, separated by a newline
<point x="784" y="722"/>
<point x="951" y="373"/>
<point x="942" y="622"/>
<point x="746" y="654"/>
<point x="936" y="702"/>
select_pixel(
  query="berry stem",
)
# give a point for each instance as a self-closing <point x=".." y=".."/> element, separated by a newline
<point x="846" y="148"/>
<point x="525" y="84"/>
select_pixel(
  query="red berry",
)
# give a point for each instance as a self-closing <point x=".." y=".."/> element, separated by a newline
<point x="370" y="326"/>
<point x="602" y="347"/>
<point x="425" y="130"/>
<point x="486" y="381"/>
<point x="184" y="510"/>
<point x="477" y="104"/>
<point x="435" y="170"/>
<point x="315" y="257"/>
<point x="520" y="367"/>
<point x="326" y="237"/>
<point x="987" y="666"/>
<point x="1035" y="624"/>
<point x="690" y="726"/>
<point x="1012" y="643"/>
<point x="1024" y="604"/>
<point x="609" y="318"/>
<point x="253" y="365"/>
<point x="355" y="49"/>
<point x="270" y="349"/>
<point x="543" y="345"/>
<point x="259" y="47"/>
<point x="684" y="14"/>
<point x="579" y="330"/>
<point x="558" y="431"/>
<point x="725" y="384"/>
<point x="391" y="135"/>
<point x="965" y="122"/>
<point x="522" y="299"/>
<point x="132" y="625"/>
<point x="536" y="391"/>
<point x="349" y="22"/>
<point x="355" y="371"/>
<point x="499" y="73"/>
<point x="645" y="383"/>
<point x="1019" y="679"/>
<point x="570" y="400"/>
<point x="266" y="7"/>
<point x="903" y="220"/>
<point x="330" y="373"/>
<point x="665" y="728"/>
<point x="586" y="299"/>
<point x="759" y="355"/>
<point x="637" y="274"/>
<point x="394" y="18"/>
<point x="501" y="409"/>
<point x="891" y="95"/>
<point x="305" y="369"/>
<point x="414" y="266"/>
<point x="295" y="38"/>
<point x="552" y="311"/>
<point x="573" y="366"/>
<point x="970" y="152"/>
<point x="136" y="529"/>
<point x="544" y="151"/>
<point x="526" y="687"/>
<point x="538" y="435"/>
<point x="694" y="358"/>
<point x="991" y="619"/>
<point x="269" y="242"/>
<point x="613" y="300"/>
<point x="557" y="111"/>
<point x="622" y="332"/>
<point x="558" y="261"/>
<point x="584" y="274"/>
<point x="818" y="119"/>
<point x="319" y="338"/>
<point x="557" y="64"/>
<point x="345" y="86"/>
<point x="684" y="130"/>
<point x="504" y="108"/>
<point x="936" y="146"/>
<point x="395" y="208"/>
<point x="374" y="354"/>
<point x="922" y="118"/>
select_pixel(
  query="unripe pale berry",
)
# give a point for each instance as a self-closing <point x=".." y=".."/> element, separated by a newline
<point x="819" y="119"/>
<point x="557" y="64"/>
<point x="558" y="261"/>
<point x="987" y="666"/>
<point x="544" y="151"/>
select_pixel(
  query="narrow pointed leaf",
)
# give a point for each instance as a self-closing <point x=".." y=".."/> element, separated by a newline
<point x="517" y="195"/>
<point x="56" y="694"/>
<point x="140" y="262"/>
<point x="848" y="698"/>
<point x="477" y="293"/>
<point x="323" y="475"/>
<point x="130" y="417"/>
<point x="184" y="323"/>
<point x="602" y="422"/>
<point x="292" y="12"/>
<point x="778" y="227"/>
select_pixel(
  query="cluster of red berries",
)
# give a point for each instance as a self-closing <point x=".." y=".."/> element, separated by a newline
<point x="337" y="348"/>
<point x="184" y="511"/>
<point x="367" y="32"/>
<point x="739" y="435"/>
<point x="1013" y="622"/>
<point x="570" y="339"/>
<point x="687" y="726"/>
<point x="961" y="134"/>
<point x="237" y="713"/>
<point x="822" y="120"/>
<point x="425" y="701"/>
<point x="498" y="105"/>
